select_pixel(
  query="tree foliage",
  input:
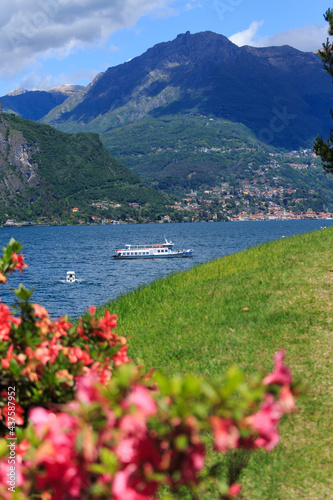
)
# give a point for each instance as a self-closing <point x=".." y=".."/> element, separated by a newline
<point x="321" y="147"/>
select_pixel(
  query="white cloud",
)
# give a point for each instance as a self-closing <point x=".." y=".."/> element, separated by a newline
<point x="34" y="28"/>
<point x="192" y="4"/>
<point x="308" y="38"/>
<point x="246" y="37"/>
<point x="165" y="13"/>
<point x="34" y="81"/>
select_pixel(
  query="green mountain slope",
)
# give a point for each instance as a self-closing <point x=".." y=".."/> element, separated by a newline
<point x="267" y="88"/>
<point x="45" y="172"/>
<point x="184" y="152"/>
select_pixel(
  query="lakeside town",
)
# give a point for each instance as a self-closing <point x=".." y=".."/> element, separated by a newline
<point x="262" y="192"/>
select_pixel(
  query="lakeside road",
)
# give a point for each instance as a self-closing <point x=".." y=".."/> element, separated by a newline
<point x="241" y="309"/>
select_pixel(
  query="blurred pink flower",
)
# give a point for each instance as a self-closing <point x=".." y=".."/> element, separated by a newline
<point x="133" y="424"/>
<point x="5" y="322"/>
<point x="226" y="434"/>
<point x="265" y="421"/>
<point x="123" y="489"/>
<point x="92" y="310"/>
<point x="281" y="374"/>
<point x="40" y="311"/>
<point x="234" y="490"/>
<point x="121" y="357"/>
<point x="192" y="463"/>
<point x="20" y="264"/>
<point x="5" y="469"/>
<point x="5" y="361"/>
<point x="141" y="398"/>
<point x="87" y="390"/>
<point x="287" y="400"/>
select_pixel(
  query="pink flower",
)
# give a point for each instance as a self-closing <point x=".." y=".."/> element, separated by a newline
<point x="265" y="422"/>
<point x="105" y="324"/>
<point x="40" y="419"/>
<point x="123" y="486"/>
<point x="6" y="319"/>
<point x="281" y="374"/>
<point x="287" y="400"/>
<point x="192" y="463"/>
<point x="18" y="412"/>
<point x="5" y="361"/>
<point x="133" y="424"/>
<point x="141" y="398"/>
<point x="62" y="470"/>
<point x="92" y="310"/>
<point x="133" y="428"/>
<point x="87" y="390"/>
<point x="234" y="490"/>
<point x="126" y="449"/>
<point x="40" y="311"/>
<point x="5" y="469"/>
<point x="20" y="264"/>
<point x="77" y="354"/>
<point x="121" y="479"/>
<point x="121" y="357"/>
<point x="226" y="434"/>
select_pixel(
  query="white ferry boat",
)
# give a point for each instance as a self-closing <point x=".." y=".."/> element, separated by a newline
<point x="162" y="250"/>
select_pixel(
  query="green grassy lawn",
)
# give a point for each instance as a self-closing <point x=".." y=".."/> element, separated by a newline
<point x="240" y="310"/>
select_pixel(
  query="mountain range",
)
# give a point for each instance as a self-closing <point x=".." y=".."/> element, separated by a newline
<point x="194" y="112"/>
<point x="282" y="95"/>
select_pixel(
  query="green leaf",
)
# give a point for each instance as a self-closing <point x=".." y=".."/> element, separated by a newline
<point x="14" y="367"/>
<point x="234" y="379"/>
<point x="181" y="442"/>
<point x="124" y="374"/>
<point x="3" y="448"/>
<point x="99" y="468"/>
<point x="23" y="293"/>
<point x="110" y="459"/>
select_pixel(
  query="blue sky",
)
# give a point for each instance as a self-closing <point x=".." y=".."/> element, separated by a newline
<point x="46" y="43"/>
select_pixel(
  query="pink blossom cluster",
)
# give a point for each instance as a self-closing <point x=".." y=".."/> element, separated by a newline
<point x="127" y="441"/>
<point x="47" y="354"/>
<point x="52" y="348"/>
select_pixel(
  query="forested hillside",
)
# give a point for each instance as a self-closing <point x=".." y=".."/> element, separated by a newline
<point x="45" y="172"/>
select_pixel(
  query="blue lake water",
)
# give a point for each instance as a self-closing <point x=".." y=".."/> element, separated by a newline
<point x="52" y="251"/>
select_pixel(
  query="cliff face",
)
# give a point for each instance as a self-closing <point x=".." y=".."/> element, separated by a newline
<point x="18" y="171"/>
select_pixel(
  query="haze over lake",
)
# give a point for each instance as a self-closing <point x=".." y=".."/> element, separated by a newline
<point x="52" y="251"/>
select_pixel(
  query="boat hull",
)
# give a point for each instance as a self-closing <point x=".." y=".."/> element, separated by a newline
<point x="187" y="253"/>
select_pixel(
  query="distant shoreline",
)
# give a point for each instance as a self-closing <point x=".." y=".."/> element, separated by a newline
<point x="231" y="219"/>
